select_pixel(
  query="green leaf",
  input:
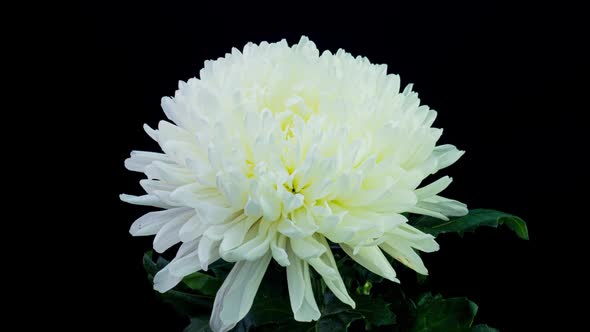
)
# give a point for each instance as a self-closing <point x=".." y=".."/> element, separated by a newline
<point x="188" y="304"/>
<point x="375" y="311"/>
<point x="267" y="310"/>
<point x="271" y="304"/>
<point x="426" y="299"/>
<point x="149" y="265"/>
<point x="198" y="324"/>
<point x="271" y="309"/>
<point x="337" y="322"/>
<point x="483" y="328"/>
<point x="204" y="283"/>
<point x="435" y="314"/>
<point x="221" y="268"/>
<point x="468" y="223"/>
<point x="336" y="316"/>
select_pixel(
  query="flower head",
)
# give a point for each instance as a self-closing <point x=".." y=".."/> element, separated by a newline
<point x="275" y="151"/>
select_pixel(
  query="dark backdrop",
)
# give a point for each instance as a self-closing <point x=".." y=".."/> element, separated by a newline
<point x="503" y="79"/>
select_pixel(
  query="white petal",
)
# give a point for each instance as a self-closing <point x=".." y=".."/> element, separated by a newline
<point x="139" y="160"/>
<point x="271" y="207"/>
<point x="290" y="229"/>
<point x="330" y="221"/>
<point x="146" y="200"/>
<point x="439" y="207"/>
<point x="165" y="281"/>
<point x="234" y="186"/>
<point x="291" y="202"/>
<point x="307" y="247"/>
<point x="373" y="260"/>
<point x="192" y="229"/>
<point x="405" y="254"/>
<point x="361" y="224"/>
<point x="260" y="237"/>
<point x="169" y="108"/>
<point x="151" y="223"/>
<point x="236" y="294"/>
<point x="428" y="212"/>
<point x="415" y="238"/>
<point x="179" y="267"/>
<point x="444" y="206"/>
<point x="277" y="246"/>
<point x="193" y="193"/>
<point x="216" y="232"/>
<point x="327" y="268"/>
<point x="447" y="155"/>
<point x="214" y="213"/>
<point x="180" y="152"/>
<point x="187" y="248"/>
<point x="393" y="201"/>
<point x="208" y="252"/>
<point x="236" y="234"/>
<point x="324" y="268"/>
<point x="168" y="235"/>
<point x="187" y="261"/>
<point x="253" y="209"/>
<point x="169" y="132"/>
<point x="153" y="134"/>
<point x="150" y="186"/>
<point x="169" y="173"/>
<point x="434" y="188"/>
<point x="301" y="297"/>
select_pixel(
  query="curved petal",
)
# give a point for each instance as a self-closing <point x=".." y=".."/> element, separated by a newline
<point x="307" y="247"/>
<point x="235" y="236"/>
<point x="151" y="223"/>
<point x="325" y="265"/>
<point x="235" y="296"/>
<point x="192" y="229"/>
<point x="434" y="188"/>
<point x="169" y="277"/>
<point x="147" y="200"/>
<point x="165" y="281"/>
<point x="373" y="260"/>
<point x="258" y="244"/>
<point x="300" y="224"/>
<point x="444" y="206"/>
<point x="139" y="160"/>
<point x="168" y="235"/>
<point x="208" y="252"/>
<point x="415" y="238"/>
<point x="430" y="204"/>
<point x="277" y="247"/>
<point x="404" y="253"/>
<point x="303" y="303"/>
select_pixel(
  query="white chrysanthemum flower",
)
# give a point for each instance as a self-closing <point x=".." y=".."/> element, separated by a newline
<point x="275" y="150"/>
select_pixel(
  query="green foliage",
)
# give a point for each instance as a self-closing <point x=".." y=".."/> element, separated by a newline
<point x="436" y="314"/>
<point x="203" y="283"/>
<point x="468" y="223"/>
<point x="380" y="305"/>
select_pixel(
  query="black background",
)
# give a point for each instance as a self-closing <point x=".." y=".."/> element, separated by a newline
<point x="505" y="81"/>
